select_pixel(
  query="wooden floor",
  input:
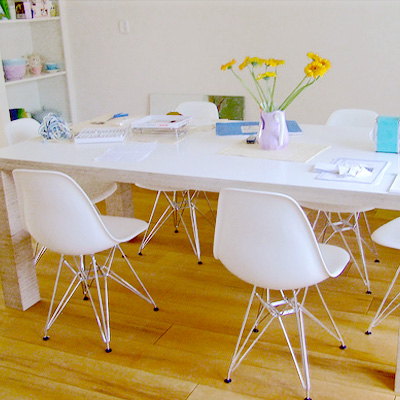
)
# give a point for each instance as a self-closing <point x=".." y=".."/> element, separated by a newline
<point x="183" y="350"/>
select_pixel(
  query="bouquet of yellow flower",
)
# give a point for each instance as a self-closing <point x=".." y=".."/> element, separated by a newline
<point x="264" y="74"/>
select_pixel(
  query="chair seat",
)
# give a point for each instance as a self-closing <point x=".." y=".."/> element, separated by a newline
<point x="335" y="258"/>
<point x="388" y="235"/>
<point x="96" y="189"/>
<point x="124" y="229"/>
<point x="340" y="208"/>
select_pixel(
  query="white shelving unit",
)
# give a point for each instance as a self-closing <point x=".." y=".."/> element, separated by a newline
<point x="19" y="38"/>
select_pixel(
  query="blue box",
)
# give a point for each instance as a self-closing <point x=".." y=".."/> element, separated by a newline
<point x="387" y="134"/>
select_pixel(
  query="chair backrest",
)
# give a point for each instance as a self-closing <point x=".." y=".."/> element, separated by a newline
<point x="58" y="214"/>
<point x="266" y="239"/>
<point x="21" y="129"/>
<point x="203" y="110"/>
<point x="353" y="117"/>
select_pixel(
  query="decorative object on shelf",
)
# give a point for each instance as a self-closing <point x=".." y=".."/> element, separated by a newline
<point x="4" y="10"/>
<point x="263" y="72"/>
<point x="17" y="113"/>
<point x="52" y="67"/>
<point x="14" y="68"/>
<point x="54" y="127"/>
<point x="34" y="63"/>
<point x="23" y="9"/>
<point x="41" y="8"/>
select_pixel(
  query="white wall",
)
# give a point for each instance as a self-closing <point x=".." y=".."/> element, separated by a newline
<point x="179" y="46"/>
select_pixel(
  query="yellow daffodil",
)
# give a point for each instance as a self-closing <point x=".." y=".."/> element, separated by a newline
<point x="274" y="63"/>
<point x="228" y="65"/>
<point x="244" y="63"/>
<point x="316" y="69"/>
<point x="266" y="75"/>
<point x="264" y="91"/>
<point x="255" y="61"/>
<point x="313" y="56"/>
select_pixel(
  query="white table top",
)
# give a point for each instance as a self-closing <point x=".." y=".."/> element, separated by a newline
<point x="195" y="162"/>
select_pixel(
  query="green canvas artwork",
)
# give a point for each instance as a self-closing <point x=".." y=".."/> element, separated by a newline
<point x="229" y="107"/>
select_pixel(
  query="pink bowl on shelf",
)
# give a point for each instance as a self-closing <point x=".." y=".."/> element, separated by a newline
<point x="14" y="72"/>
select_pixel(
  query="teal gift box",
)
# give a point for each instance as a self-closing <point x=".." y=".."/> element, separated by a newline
<point x="387" y="134"/>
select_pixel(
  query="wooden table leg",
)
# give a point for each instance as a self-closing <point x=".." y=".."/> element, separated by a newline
<point x="121" y="202"/>
<point x="17" y="269"/>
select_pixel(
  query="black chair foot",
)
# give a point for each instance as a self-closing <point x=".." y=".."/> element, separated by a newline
<point x="342" y="346"/>
<point x="155" y="309"/>
<point x="200" y="262"/>
<point x="255" y="330"/>
<point x="108" y="350"/>
<point x="85" y="298"/>
<point x="227" y="380"/>
<point x="368" y="292"/>
<point x="45" y="338"/>
<point x="377" y="260"/>
<point x="368" y="333"/>
<point x="140" y="253"/>
<point x="176" y="231"/>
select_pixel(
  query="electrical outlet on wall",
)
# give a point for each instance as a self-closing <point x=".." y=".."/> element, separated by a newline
<point x="124" y="26"/>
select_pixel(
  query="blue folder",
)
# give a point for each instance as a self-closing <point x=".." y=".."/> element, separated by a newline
<point x="247" y="127"/>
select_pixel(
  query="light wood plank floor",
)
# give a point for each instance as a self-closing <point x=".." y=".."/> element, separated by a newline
<point x="183" y="351"/>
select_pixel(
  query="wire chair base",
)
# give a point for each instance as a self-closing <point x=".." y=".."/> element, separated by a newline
<point x="268" y="311"/>
<point x="85" y="275"/>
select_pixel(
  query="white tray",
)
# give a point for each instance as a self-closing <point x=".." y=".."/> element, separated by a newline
<point x="161" y="121"/>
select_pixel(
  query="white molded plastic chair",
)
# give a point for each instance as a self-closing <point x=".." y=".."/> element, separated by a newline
<point x="201" y="110"/>
<point x="266" y="240"/>
<point x="181" y="199"/>
<point x="23" y="129"/>
<point x="353" y="117"/>
<point x="387" y="235"/>
<point x="58" y="213"/>
<point x="342" y="218"/>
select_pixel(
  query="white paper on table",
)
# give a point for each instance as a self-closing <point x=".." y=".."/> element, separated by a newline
<point x="352" y="170"/>
<point x="128" y="152"/>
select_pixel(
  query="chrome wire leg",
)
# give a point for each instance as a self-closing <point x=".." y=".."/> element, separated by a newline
<point x="52" y="316"/>
<point x="382" y="312"/>
<point x="246" y="343"/>
<point x="127" y="285"/>
<point x="344" y="225"/>
<point x="149" y="233"/>
<point x="335" y="332"/>
<point x="85" y="275"/>
<point x="176" y="208"/>
<point x="38" y="253"/>
<point x="372" y="248"/>
<point x="214" y="217"/>
<point x="305" y="378"/>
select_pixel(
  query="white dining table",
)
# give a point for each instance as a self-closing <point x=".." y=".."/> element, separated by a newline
<point x="200" y="160"/>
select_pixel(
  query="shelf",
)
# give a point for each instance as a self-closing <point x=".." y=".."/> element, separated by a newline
<point x="27" y="21"/>
<point x="31" y="78"/>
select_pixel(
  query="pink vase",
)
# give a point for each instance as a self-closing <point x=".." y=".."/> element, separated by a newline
<point x="273" y="133"/>
<point x="36" y="70"/>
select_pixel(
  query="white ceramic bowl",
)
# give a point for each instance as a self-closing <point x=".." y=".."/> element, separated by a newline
<point x="14" y="61"/>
